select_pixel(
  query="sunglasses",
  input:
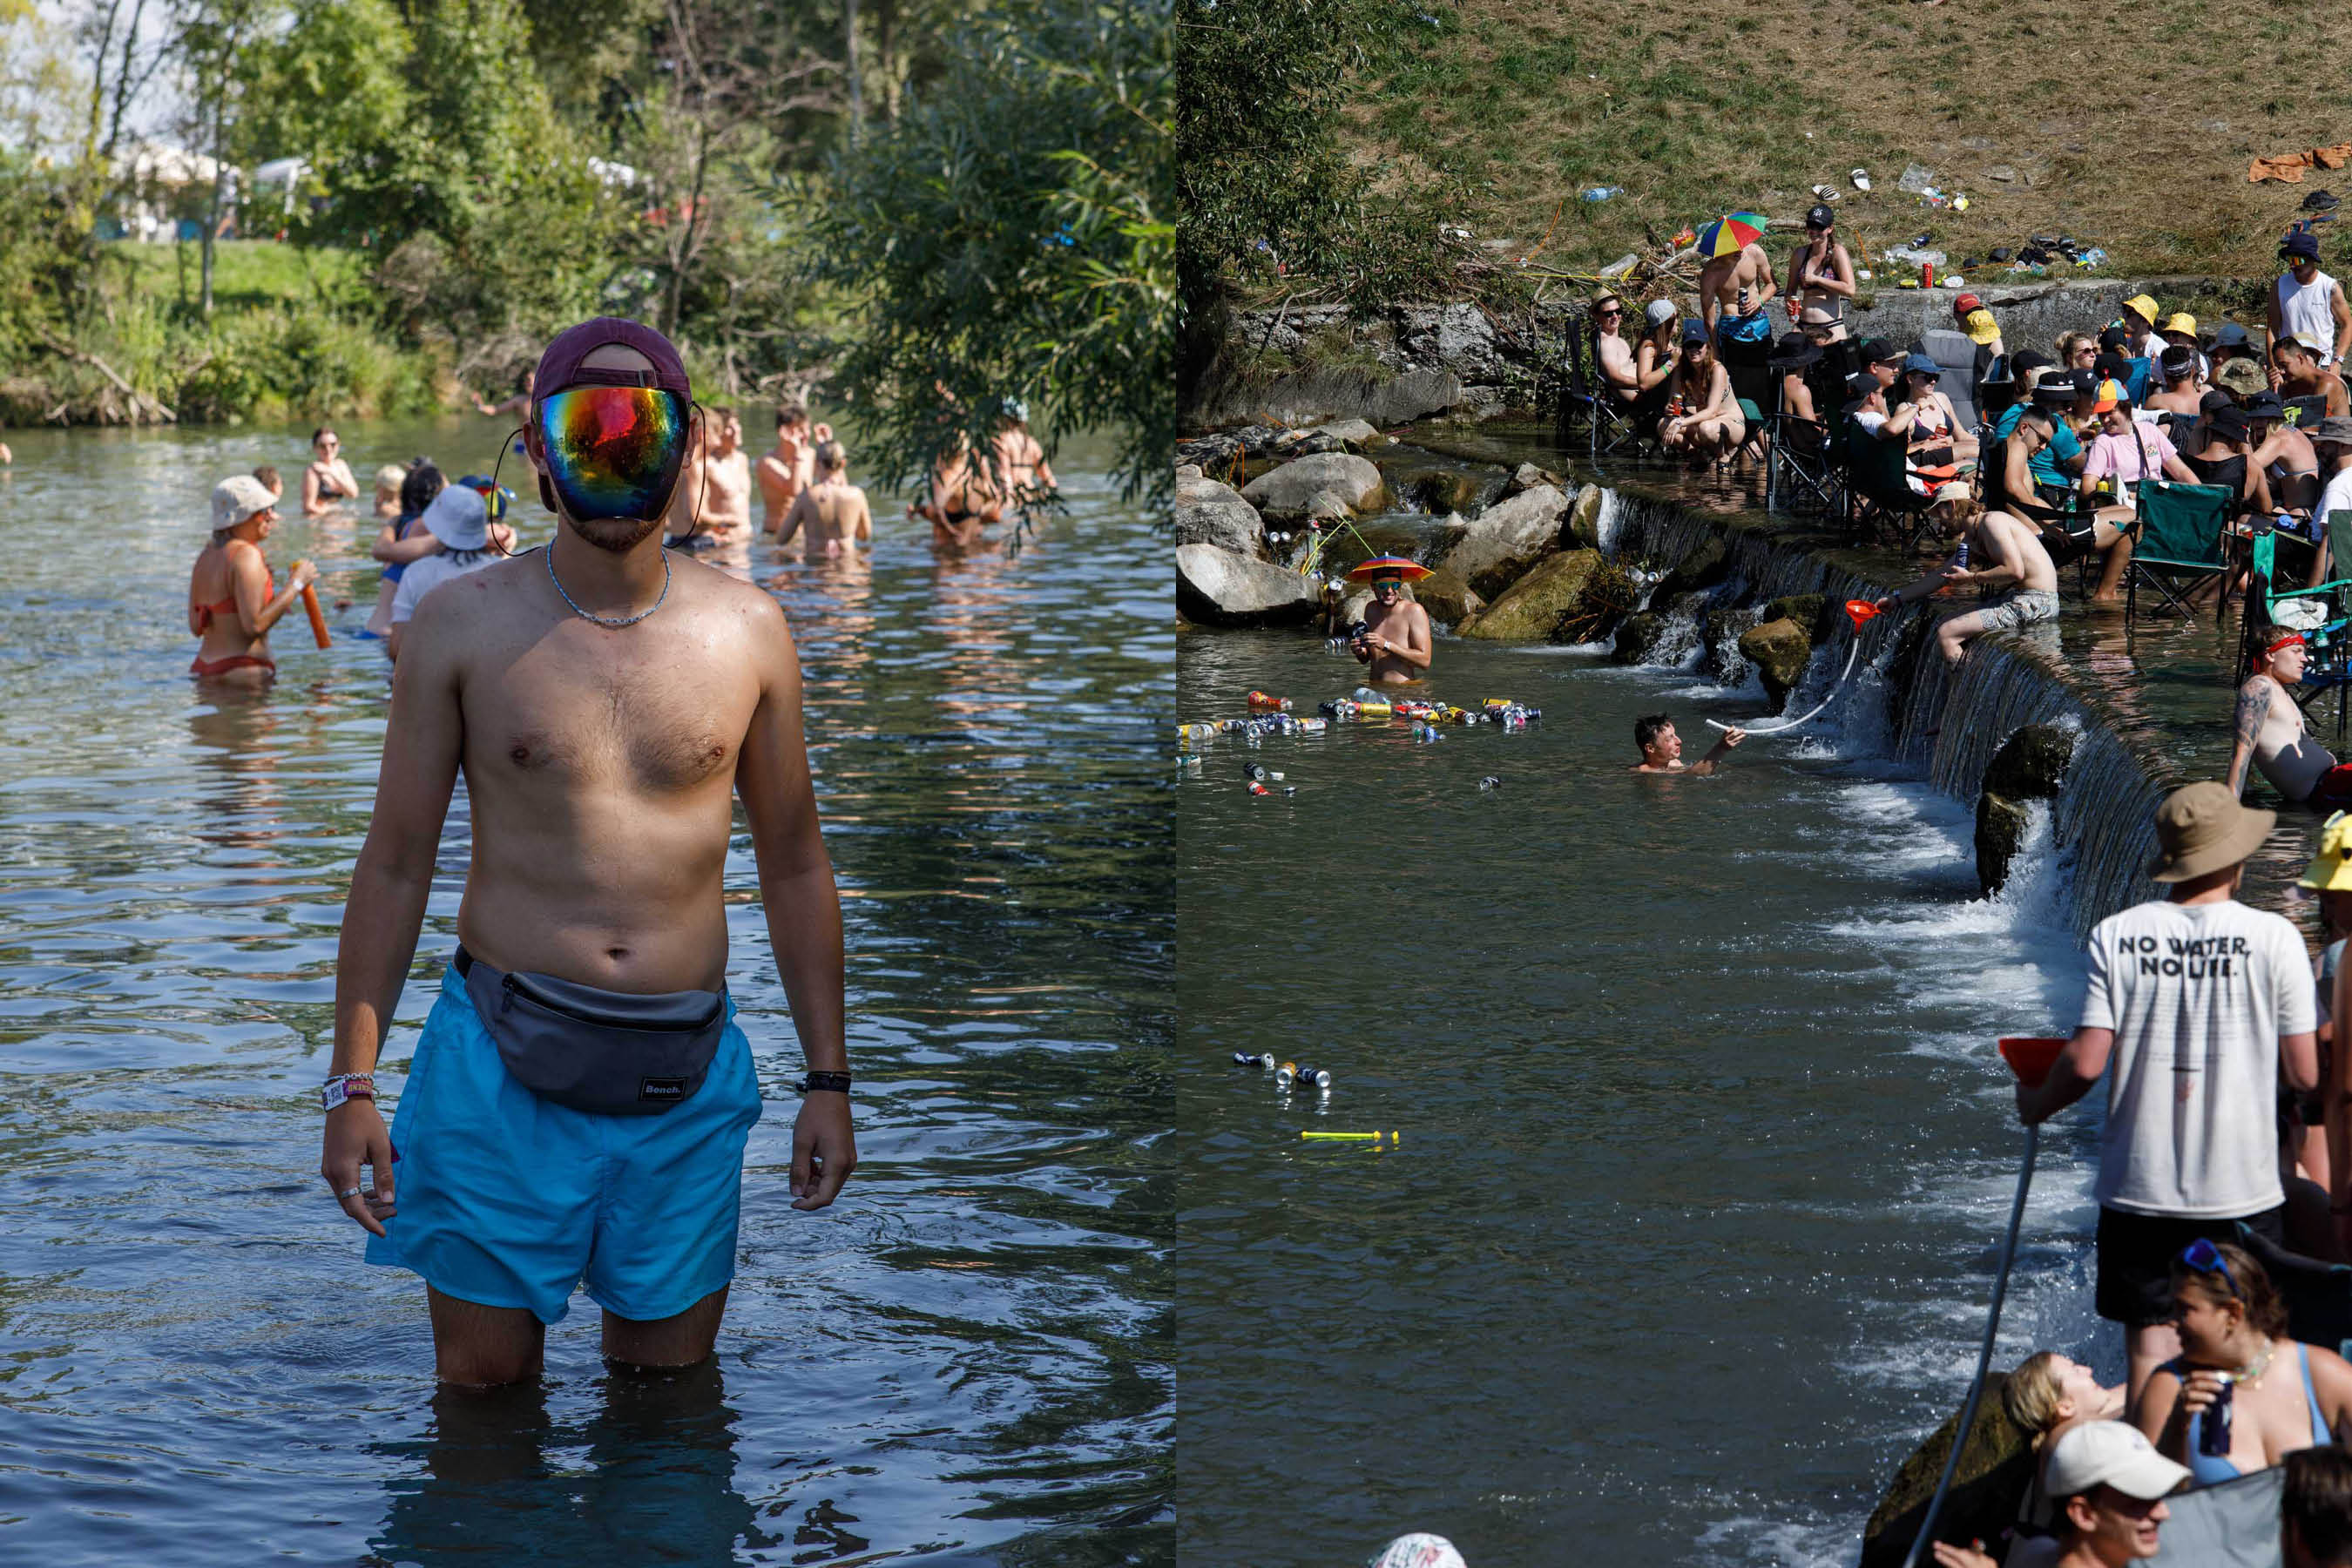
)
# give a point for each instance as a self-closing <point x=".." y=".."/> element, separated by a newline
<point x="1609" y="314"/>
<point x="2206" y="1258"/>
<point x="614" y="451"/>
<point x="1380" y="582"/>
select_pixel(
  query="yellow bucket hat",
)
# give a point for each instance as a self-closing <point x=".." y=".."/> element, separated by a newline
<point x="2331" y="868"/>
<point x="2142" y="307"/>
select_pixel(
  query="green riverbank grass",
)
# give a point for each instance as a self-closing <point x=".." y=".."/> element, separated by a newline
<point x="1697" y="109"/>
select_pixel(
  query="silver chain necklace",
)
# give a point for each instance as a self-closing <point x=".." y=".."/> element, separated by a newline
<point x="607" y="620"/>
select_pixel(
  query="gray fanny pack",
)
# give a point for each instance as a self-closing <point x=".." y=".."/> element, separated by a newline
<point x="605" y="1051"/>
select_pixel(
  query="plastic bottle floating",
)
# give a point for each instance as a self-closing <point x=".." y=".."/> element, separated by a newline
<point x="1195" y="733"/>
<point x="1263" y="1061"/>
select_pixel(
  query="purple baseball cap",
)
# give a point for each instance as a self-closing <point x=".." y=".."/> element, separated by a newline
<point x="558" y="367"/>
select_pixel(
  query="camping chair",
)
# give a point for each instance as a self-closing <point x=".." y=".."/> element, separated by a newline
<point x="1758" y="438"/>
<point x="2305" y="411"/>
<point x="1589" y="405"/>
<point x="1800" y="472"/>
<point x="1880" y="479"/>
<point x="1955" y="354"/>
<point x="2182" y="546"/>
<point x="2318" y="1294"/>
<point x="2319" y="613"/>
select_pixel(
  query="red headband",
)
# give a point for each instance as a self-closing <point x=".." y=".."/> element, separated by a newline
<point x="2285" y="639"/>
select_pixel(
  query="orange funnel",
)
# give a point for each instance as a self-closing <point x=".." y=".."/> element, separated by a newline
<point x="1861" y="610"/>
<point x="2031" y="1057"/>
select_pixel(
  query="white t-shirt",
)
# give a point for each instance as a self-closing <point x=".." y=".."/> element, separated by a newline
<point x="2198" y="996"/>
<point x="2337" y="496"/>
<point x="426" y="574"/>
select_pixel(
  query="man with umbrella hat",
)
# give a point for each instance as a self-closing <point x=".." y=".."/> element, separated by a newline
<point x="1736" y="290"/>
<point x="1395" y="644"/>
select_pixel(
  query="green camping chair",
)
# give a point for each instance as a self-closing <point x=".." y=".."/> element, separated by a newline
<point x="2322" y="613"/>
<point x="2181" y="545"/>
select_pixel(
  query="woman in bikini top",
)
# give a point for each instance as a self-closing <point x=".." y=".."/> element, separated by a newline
<point x="329" y="479"/>
<point x="232" y="603"/>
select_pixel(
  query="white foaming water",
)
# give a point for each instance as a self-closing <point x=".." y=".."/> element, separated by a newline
<point x="2014" y="956"/>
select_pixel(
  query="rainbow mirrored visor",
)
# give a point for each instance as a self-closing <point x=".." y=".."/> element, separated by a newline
<point x="614" y="451"/>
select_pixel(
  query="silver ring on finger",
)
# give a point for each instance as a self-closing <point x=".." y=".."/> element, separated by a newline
<point x="348" y="1193"/>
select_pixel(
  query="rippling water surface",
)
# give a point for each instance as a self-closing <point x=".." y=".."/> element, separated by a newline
<point x="967" y="1359"/>
<point x="1705" y="1148"/>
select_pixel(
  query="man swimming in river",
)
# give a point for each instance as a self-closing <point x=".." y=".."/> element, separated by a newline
<point x="580" y="1098"/>
<point x="1661" y="748"/>
<point x="713" y="508"/>
<point x="2270" y="733"/>
<point x="1395" y="644"/>
<point x="786" y="471"/>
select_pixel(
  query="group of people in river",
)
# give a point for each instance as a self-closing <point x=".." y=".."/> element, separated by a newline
<point x="431" y="529"/>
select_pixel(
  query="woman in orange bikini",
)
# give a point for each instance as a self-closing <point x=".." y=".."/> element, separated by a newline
<point x="230" y="605"/>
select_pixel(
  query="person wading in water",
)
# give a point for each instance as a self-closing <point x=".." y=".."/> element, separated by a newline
<point x="580" y="1098"/>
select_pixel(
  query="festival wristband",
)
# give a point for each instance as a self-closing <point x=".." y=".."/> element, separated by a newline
<point x="830" y="1082"/>
<point x="346" y="1086"/>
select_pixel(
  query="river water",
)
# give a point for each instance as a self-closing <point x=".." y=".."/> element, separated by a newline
<point x="1705" y="1148"/>
<point x="967" y="1359"/>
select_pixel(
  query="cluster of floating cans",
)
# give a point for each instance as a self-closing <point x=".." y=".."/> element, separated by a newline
<point x="1271" y="715"/>
<point x="1286" y="1075"/>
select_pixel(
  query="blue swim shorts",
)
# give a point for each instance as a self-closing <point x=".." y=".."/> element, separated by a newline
<point x="508" y="1199"/>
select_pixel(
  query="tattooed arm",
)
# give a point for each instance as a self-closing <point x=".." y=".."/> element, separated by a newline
<point x="2253" y="707"/>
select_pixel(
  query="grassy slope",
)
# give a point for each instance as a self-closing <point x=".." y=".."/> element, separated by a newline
<point x="247" y="274"/>
<point x="2133" y="127"/>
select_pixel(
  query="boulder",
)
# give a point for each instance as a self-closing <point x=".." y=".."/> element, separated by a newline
<point x="1442" y="490"/>
<point x="2028" y="767"/>
<point x="1533" y="607"/>
<point x="1808" y="610"/>
<point x="1306" y="444"/>
<point x="1220" y="588"/>
<point x="1778" y="650"/>
<point x="1638" y="637"/>
<point x="1257" y="441"/>
<point x="1291" y="489"/>
<point x="1527" y="476"/>
<point x="1416" y="395"/>
<point x="1493" y="550"/>
<point x="2031" y="762"/>
<point x="1448" y="599"/>
<point x="1996" y="1466"/>
<point x="1208" y="513"/>
<point x="1584" y="517"/>
<point x="1354" y="434"/>
<point x="1708" y="563"/>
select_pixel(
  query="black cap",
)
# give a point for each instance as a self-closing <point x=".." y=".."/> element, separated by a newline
<point x="2114" y="338"/>
<point x="1793" y="351"/>
<point x="2025" y="359"/>
<point x="2264" y="405"/>
<point x="1879" y="350"/>
<point x="2229" y="423"/>
<point x="2086" y="381"/>
<point x="1820" y="217"/>
<point x="2216" y="398"/>
<point x="1862" y="383"/>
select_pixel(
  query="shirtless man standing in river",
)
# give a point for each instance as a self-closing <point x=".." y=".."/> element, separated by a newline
<point x="784" y="472"/>
<point x="2270" y="734"/>
<point x="580" y="1098"/>
<point x="1396" y="644"/>
<point x="716" y="504"/>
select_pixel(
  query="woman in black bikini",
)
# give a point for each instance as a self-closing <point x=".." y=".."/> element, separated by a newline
<point x="329" y="479"/>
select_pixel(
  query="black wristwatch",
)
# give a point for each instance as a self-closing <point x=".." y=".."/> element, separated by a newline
<point x="831" y="1082"/>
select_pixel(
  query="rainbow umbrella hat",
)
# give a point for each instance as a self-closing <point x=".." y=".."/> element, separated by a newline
<point x="1388" y="567"/>
<point x="1729" y="235"/>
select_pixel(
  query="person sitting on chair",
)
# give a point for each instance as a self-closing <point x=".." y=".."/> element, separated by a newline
<point x="2271" y="734"/>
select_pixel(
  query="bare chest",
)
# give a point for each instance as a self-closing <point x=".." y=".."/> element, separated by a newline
<point x="658" y="721"/>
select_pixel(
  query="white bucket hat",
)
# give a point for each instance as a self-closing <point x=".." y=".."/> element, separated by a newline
<point x="239" y="497"/>
<point x="458" y="519"/>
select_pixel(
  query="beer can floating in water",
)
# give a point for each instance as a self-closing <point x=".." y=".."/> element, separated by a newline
<point x="1257" y="788"/>
<point x="2213" y="1435"/>
<point x="1288" y="789"/>
<point x="1233" y="726"/>
<point x="1333" y="706"/>
<point x="1315" y="1077"/>
<point x="1187" y="761"/>
<point x="1250" y="1060"/>
<point x="1276" y="777"/>
<point x="1490" y="782"/>
<point x="1313" y="726"/>
<point x="1371" y="711"/>
<point x="1255" y="771"/>
<point x="1196" y="732"/>
<point x="1283" y="1074"/>
<point x="1260" y="700"/>
<point x="1496" y="704"/>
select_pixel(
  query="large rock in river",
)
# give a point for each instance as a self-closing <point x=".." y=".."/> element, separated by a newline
<point x="1778" y="650"/>
<point x="1293" y="490"/>
<point x="1584" y="517"/>
<point x="2028" y="767"/>
<point x="1493" y="550"/>
<point x="1220" y="588"/>
<point x="1208" y="513"/>
<point x="1996" y="1466"/>
<point x="1533" y="607"/>
<point x="1448" y="599"/>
